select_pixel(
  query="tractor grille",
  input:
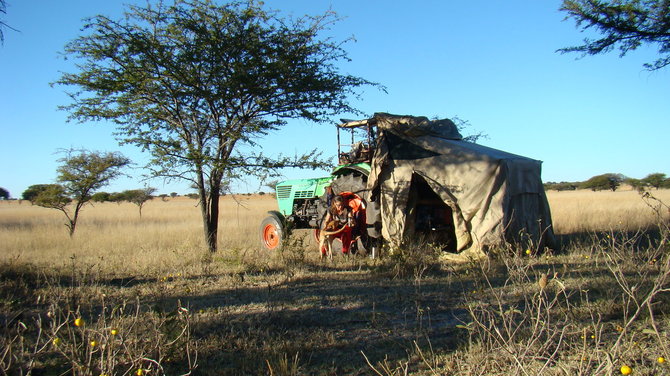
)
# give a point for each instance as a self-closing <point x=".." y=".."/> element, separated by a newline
<point x="304" y="194"/>
<point x="284" y="192"/>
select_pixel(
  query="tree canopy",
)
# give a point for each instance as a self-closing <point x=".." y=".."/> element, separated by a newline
<point x="192" y="82"/>
<point x="603" y="182"/>
<point x="624" y="24"/>
<point x="4" y="194"/>
<point x="655" y="180"/>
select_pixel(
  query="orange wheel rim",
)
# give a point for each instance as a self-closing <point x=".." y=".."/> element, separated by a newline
<point x="270" y="236"/>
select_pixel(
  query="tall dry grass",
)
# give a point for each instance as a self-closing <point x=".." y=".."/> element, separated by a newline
<point x="583" y="211"/>
<point x="168" y="236"/>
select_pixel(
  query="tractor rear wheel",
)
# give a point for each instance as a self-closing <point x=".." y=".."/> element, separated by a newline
<point x="271" y="233"/>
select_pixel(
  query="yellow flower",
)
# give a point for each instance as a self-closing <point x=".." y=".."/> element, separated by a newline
<point x="625" y="370"/>
<point x="94" y="344"/>
<point x="661" y="359"/>
<point x="79" y="322"/>
<point x="56" y="341"/>
<point x="114" y="332"/>
<point x="528" y="251"/>
<point x="139" y="372"/>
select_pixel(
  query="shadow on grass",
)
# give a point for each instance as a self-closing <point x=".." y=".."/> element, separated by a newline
<point x="328" y="320"/>
<point x="642" y="238"/>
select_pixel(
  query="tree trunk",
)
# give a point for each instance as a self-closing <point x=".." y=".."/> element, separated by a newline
<point x="213" y="225"/>
<point x="73" y="221"/>
<point x="209" y="208"/>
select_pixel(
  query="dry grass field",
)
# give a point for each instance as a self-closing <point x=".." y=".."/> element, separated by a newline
<point x="151" y="300"/>
<point x="586" y="211"/>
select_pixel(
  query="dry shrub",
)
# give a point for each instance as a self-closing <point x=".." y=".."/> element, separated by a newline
<point x="64" y="333"/>
<point x="536" y="320"/>
<point x="412" y="259"/>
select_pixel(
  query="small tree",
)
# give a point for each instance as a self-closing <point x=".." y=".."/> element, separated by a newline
<point x="139" y="197"/>
<point x="603" y="182"/>
<point x="80" y="174"/>
<point x="100" y="197"/>
<point x="173" y="194"/>
<point x="637" y="184"/>
<point x="4" y="194"/>
<point x="272" y="184"/>
<point x="117" y="197"/>
<point x="31" y="192"/>
<point x="654" y="180"/>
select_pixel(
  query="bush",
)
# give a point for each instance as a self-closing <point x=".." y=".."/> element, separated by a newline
<point x="603" y="182"/>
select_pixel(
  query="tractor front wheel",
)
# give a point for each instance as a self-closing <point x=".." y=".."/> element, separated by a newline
<point x="271" y="233"/>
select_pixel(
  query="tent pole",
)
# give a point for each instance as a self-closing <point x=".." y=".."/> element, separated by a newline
<point x="338" y="145"/>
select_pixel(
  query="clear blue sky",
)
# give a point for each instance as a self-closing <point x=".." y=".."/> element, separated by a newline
<point x="492" y="63"/>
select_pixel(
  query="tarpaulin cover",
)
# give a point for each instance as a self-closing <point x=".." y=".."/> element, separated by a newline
<point x="495" y="197"/>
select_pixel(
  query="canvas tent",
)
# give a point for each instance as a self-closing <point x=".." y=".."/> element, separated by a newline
<point x="423" y="169"/>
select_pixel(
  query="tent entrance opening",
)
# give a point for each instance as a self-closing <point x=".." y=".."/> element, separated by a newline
<point x="432" y="218"/>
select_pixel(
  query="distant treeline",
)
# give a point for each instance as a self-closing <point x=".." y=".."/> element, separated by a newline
<point x="611" y="181"/>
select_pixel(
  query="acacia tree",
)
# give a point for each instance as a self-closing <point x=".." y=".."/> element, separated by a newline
<point x="602" y="182"/>
<point x="625" y="24"/>
<point x="31" y="192"/>
<point x="139" y="197"/>
<point x="655" y="180"/>
<point x="192" y="82"/>
<point x="4" y="194"/>
<point x="81" y="173"/>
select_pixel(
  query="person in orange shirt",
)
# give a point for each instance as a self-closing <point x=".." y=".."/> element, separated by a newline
<point x="350" y="206"/>
<point x="339" y="218"/>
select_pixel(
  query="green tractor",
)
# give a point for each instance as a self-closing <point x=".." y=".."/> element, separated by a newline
<point x="303" y="202"/>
